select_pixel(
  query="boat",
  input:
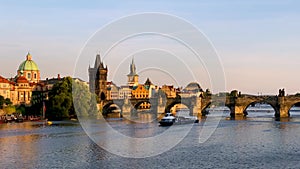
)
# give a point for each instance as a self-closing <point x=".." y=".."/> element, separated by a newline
<point x="167" y="120"/>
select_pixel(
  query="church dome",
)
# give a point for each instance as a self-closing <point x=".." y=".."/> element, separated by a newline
<point x="28" y="64"/>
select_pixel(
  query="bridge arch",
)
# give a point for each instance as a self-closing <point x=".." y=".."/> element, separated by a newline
<point x="276" y="111"/>
<point x="215" y="105"/>
<point x="172" y="104"/>
<point x="147" y="104"/>
<point x="108" y="107"/>
<point x="291" y="107"/>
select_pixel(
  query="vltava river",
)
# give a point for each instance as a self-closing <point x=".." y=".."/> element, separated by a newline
<point x="257" y="142"/>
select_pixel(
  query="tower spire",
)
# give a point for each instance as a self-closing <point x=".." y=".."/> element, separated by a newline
<point x="132" y="67"/>
<point x="97" y="61"/>
<point x="133" y="77"/>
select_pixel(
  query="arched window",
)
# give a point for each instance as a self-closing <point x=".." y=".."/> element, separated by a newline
<point x="28" y="75"/>
<point x="35" y="76"/>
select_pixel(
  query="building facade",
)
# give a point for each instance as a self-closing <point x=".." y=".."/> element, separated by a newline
<point x="5" y="87"/>
<point x="19" y="89"/>
<point x="169" y="90"/>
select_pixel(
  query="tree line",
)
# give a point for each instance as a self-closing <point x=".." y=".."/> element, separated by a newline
<point x="67" y="99"/>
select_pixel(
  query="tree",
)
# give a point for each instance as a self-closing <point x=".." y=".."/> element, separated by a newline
<point x="2" y="101"/>
<point x="85" y="103"/>
<point x="36" y="103"/>
<point x="60" y="103"/>
<point x="9" y="109"/>
<point x="69" y="98"/>
<point x="21" y="109"/>
<point x="7" y="101"/>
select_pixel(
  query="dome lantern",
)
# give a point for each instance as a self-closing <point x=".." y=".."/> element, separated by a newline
<point x="28" y="57"/>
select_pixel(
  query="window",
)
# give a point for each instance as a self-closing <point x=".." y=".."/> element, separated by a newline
<point x="35" y="76"/>
<point x="28" y="75"/>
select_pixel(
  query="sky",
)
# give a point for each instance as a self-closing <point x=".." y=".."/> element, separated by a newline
<point x="256" y="41"/>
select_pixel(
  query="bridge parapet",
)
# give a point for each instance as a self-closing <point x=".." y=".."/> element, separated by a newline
<point x="236" y="103"/>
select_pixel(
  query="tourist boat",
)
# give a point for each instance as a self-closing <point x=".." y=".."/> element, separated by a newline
<point x="167" y="120"/>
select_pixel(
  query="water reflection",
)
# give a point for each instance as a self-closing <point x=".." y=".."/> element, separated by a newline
<point x="250" y="143"/>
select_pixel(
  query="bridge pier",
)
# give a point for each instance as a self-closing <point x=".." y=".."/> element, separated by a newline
<point x="196" y="107"/>
<point x="239" y="110"/>
<point x="126" y="109"/>
<point x="160" y="111"/>
<point x="284" y="107"/>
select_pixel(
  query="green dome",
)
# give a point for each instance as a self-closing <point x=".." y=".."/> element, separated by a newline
<point x="28" y="64"/>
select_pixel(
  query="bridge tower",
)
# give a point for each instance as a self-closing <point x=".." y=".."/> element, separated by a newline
<point x="98" y="79"/>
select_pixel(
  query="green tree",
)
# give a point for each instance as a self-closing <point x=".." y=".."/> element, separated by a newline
<point x="85" y="103"/>
<point x="36" y="103"/>
<point x="60" y="103"/>
<point x="21" y="109"/>
<point x="2" y="101"/>
<point x="9" y="109"/>
<point x="69" y="98"/>
<point x="7" y="101"/>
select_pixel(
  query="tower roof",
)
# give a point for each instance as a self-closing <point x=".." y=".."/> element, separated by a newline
<point x="98" y="63"/>
<point x="28" y="64"/>
<point x="132" y="69"/>
<point x="148" y="82"/>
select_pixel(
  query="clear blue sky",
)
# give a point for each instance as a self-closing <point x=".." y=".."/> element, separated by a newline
<point x="257" y="41"/>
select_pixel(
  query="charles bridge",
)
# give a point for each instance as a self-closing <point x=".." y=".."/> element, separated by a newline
<point x="236" y="102"/>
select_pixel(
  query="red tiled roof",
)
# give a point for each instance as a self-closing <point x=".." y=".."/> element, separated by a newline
<point x="3" y="80"/>
<point x="21" y="79"/>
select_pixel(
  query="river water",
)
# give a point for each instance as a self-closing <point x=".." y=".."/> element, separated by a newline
<point x="256" y="142"/>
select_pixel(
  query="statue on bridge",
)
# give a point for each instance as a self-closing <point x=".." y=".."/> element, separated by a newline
<point x="281" y="92"/>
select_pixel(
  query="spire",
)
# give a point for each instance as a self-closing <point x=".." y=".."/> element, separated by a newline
<point x="28" y="57"/>
<point x="132" y="60"/>
<point x="132" y="67"/>
<point x="97" y="61"/>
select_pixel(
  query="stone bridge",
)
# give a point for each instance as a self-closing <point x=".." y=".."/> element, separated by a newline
<point x="280" y="104"/>
<point x="197" y="105"/>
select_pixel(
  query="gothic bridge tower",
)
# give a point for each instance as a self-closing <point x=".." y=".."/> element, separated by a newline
<point x="98" y="79"/>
